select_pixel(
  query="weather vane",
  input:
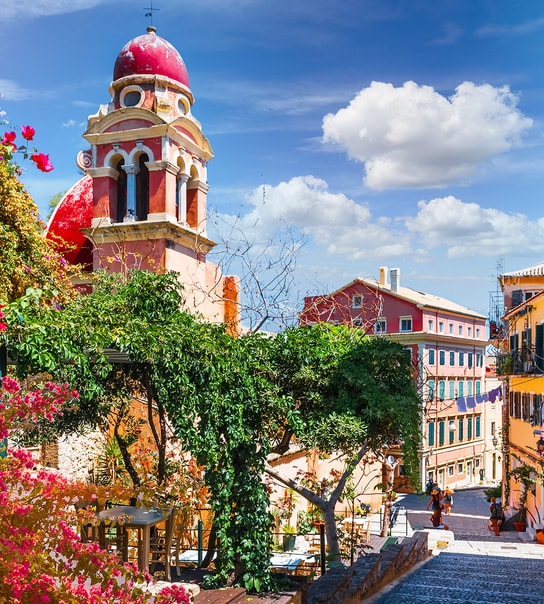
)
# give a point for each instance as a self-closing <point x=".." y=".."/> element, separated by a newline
<point x="150" y="13"/>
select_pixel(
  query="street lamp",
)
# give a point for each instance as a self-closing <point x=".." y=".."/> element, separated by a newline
<point x="494" y="441"/>
<point x="540" y="446"/>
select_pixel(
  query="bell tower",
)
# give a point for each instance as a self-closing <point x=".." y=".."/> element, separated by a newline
<point x="147" y="167"/>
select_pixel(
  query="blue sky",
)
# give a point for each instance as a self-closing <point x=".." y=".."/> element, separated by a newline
<point x="387" y="132"/>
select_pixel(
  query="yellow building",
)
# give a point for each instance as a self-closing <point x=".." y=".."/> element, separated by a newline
<point x="520" y="363"/>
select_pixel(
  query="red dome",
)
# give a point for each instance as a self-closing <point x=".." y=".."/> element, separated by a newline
<point x="150" y="54"/>
<point x="74" y="212"/>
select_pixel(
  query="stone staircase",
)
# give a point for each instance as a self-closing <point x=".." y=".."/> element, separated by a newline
<point x="455" y="578"/>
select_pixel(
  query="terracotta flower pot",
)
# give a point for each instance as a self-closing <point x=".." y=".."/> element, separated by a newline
<point x="520" y="526"/>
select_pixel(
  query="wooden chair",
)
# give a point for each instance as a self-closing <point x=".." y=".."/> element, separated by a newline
<point x="184" y="538"/>
<point x="160" y="550"/>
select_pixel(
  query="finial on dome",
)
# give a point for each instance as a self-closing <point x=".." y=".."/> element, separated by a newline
<point x="151" y="29"/>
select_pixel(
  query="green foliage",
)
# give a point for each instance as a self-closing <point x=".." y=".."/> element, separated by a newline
<point x="231" y="401"/>
<point x="27" y="258"/>
<point x="495" y="491"/>
<point x="348" y="389"/>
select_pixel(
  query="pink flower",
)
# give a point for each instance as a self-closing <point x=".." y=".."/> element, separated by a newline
<point x="28" y="132"/>
<point x="8" y="139"/>
<point x="3" y="326"/>
<point x="42" y="162"/>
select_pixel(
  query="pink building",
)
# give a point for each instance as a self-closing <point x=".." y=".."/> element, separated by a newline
<point x="447" y="343"/>
<point x="142" y="201"/>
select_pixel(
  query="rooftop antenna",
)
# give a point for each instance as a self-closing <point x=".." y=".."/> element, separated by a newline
<point x="150" y="13"/>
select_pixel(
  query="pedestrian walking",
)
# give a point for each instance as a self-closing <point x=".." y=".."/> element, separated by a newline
<point x="435" y="502"/>
<point x="495" y="517"/>
<point x="448" y="501"/>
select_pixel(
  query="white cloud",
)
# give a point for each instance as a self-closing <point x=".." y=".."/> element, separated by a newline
<point x="467" y="229"/>
<point x="331" y="220"/>
<point x="340" y="227"/>
<point x="11" y="91"/>
<point x="11" y="10"/>
<point x="414" y="137"/>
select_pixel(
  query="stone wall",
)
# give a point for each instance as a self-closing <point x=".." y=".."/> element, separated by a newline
<point x="369" y="573"/>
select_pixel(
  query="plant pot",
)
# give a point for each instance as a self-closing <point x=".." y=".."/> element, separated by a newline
<point x="289" y="543"/>
<point x="520" y="526"/>
<point x="540" y="537"/>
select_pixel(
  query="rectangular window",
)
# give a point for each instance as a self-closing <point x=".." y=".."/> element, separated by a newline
<point x="461" y="359"/>
<point x="493" y="428"/>
<point x="405" y="323"/>
<point x="431" y="325"/>
<point x="451" y="329"/>
<point x="461" y="387"/>
<point x="440" y="326"/>
<point x="441" y="389"/>
<point x="357" y="301"/>
<point x="452" y="358"/>
<point x="430" y="437"/>
<point x="451" y="389"/>
<point x="430" y="390"/>
<point x="460" y="330"/>
<point x="469" y="387"/>
<point x="477" y="426"/>
<point x="441" y="432"/>
<point x="380" y="326"/>
<point x="469" y="331"/>
<point x="451" y="434"/>
<point x="469" y="428"/>
<point x="431" y="356"/>
<point x="442" y="357"/>
<point x="460" y="426"/>
<point x="477" y="332"/>
<point x="459" y="468"/>
<point x="469" y="360"/>
<point x="450" y="470"/>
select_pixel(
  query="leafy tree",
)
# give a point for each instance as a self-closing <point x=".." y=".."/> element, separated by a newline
<point x="27" y="258"/>
<point x="128" y="339"/>
<point x="354" y="395"/>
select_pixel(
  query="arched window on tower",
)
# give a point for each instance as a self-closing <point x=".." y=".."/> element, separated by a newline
<point x="142" y="188"/>
<point x="192" y="198"/>
<point x="121" y="205"/>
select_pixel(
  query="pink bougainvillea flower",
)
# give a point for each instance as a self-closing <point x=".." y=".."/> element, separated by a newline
<point x="28" y="132"/>
<point x="3" y="327"/>
<point x="42" y="162"/>
<point x="8" y="139"/>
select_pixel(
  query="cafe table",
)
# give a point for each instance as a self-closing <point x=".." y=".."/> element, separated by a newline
<point x="140" y="519"/>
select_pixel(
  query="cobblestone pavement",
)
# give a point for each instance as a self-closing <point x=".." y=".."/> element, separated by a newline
<point x="476" y="567"/>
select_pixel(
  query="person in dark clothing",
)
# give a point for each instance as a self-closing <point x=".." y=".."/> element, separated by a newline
<point x="435" y="502"/>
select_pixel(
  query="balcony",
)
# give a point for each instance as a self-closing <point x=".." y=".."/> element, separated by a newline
<point x="523" y="361"/>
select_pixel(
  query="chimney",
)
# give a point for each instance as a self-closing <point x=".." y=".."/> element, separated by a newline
<point x="383" y="275"/>
<point x="395" y="279"/>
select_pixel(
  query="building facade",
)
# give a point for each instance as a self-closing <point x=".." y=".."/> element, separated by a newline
<point x="520" y="364"/>
<point x="447" y="343"/>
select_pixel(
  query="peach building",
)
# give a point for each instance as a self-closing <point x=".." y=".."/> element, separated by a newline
<point x="447" y="342"/>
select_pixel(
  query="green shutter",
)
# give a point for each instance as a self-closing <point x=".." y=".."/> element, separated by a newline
<point x="431" y="434"/>
<point x="441" y="432"/>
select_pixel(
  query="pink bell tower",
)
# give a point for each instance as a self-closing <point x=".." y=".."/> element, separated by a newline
<point x="142" y="202"/>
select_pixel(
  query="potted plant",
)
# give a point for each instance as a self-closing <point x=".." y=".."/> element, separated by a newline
<point x="289" y="537"/>
<point x="524" y="475"/>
